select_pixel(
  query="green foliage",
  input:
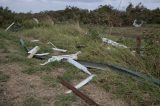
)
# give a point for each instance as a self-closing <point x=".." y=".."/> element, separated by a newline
<point x="103" y="15"/>
<point x="6" y="17"/>
<point x="134" y="92"/>
<point x="94" y="35"/>
<point x="72" y="73"/>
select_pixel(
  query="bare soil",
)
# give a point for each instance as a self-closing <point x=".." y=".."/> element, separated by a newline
<point x="21" y="85"/>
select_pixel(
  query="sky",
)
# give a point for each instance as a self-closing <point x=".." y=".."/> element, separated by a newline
<point x="42" y="5"/>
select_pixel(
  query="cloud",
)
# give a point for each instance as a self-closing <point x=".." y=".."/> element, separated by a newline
<point x="85" y="1"/>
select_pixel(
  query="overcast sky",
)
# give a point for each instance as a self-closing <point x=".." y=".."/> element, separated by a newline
<point x="41" y="5"/>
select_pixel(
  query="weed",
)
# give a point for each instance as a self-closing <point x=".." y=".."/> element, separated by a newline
<point x="50" y="80"/>
<point x="30" y="101"/>
<point x="65" y="100"/>
<point x="124" y="87"/>
<point x="3" y="77"/>
<point x="72" y="73"/>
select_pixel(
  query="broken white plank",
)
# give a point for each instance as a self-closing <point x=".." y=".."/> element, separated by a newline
<point x="9" y="27"/>
<point x="73" y="56"/>
<point x="42" y="54"/>
<point x="78" y="65"/>
<point x="113" y="43"/>
<point x="52" y="44"/>
<point x="81" y="84"/>
<point x="52" y="59"/>
<point x="35" y="40"/>
<point x="60" y="50"/>
<point x="33" y="51"/>
<point x="57" y="49"/>
<point x="36" y="20"/>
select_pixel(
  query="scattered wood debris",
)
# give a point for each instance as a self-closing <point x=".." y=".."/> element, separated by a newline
<point x="78" y="65"/>
<point x="9" y="27"/>
<point x="42" y="54"/>
<point x="33" y="51"/>
<point x="78" y="93"/>
<point x="84" y="82"/>
<point x="36" y="20"/>
<point x="113" y="43"/>
<point x="57" y="49"/>
<point x="35" y="40"/>
<point x="62" y="57"/>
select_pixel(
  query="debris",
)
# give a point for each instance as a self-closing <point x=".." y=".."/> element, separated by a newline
<point x="57" y="49"/>
<point x="70" y="59"/>
<point x="52" y="44"/>
<point x="60" y="50"/>
<point x="34" y="40"/>
<point x="120" y="69"/>
<point x="9" y="27"/>
<point x="61" y="57"/>
<point x="36" y="20"/>
<point x="137" y="25"/>
<point x="113" y="43"/>
<point x="52" y="59"/>
<point x="26" y="49"/>
<point x="73" y="56"/>
<point x="33" y="51"/>
<point x="78" y="93"/>
<point x="84" y="82"/>
<point x="23" y="45"/>
<point x="42" y="54"/>
<point x="78" y="65"/>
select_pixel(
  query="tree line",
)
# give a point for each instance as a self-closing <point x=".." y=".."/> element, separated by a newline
<point x="103" y="15"/>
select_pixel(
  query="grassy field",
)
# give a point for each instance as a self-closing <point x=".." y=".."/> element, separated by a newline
<point x="24" y="82"/>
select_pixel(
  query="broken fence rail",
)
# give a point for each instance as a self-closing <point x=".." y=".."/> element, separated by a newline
<point x="120" y="69"/>
<point x="78" y="93"/>
<point x="82" y="83"/>
<point x="9" y="26"/>
<point x="22" y="43"/>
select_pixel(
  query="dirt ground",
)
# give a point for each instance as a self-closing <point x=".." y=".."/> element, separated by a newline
<point x="21" y="85"/>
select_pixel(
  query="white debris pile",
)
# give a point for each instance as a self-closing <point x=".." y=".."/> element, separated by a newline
<point x="71" y="59"/>
<point x="113" y="43"/>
